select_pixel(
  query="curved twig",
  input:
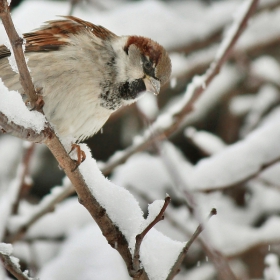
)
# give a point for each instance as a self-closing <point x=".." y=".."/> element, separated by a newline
<point x="140" y="237"/>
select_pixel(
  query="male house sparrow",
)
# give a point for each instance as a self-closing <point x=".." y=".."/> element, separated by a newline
<point x="86" y="72"/>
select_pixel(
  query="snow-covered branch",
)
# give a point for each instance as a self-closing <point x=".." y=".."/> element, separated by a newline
<point x="28" y="134"/>
<point x="11" y="263"/>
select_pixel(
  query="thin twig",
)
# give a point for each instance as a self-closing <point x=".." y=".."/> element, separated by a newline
<point x="140" y="237"/>
<point x="175" y="269"/>
<point x="13" y="268"/>
<point x="16" y="43"/>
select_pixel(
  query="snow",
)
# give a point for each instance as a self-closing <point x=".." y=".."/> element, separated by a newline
<point x="241" y="104"/>
<point x="156" y="18"/>
<point x="10" y="151"/>
<point x="85" y="254"/>
<point x="207" y="142"/>
<point x="8" y="199"/>
<point x="158" y="253"/>
<point x="173" y="82"/>
<point x="139" y="173"/>
<point x="240" y="160"/>
<point x="235" y="244"/>
<point x="148" y="106"/>
<point x="54" y="224"/>
<point x="6" y="249"/>
<point x="220" y="87"/>
<point x="267" y="96"/>
<point x="271" y="175"/>
<point x="267" y="68"/>
<point x="238" y="18"/>
<point x="262" y="28"/>
<point x="271" y="271"/>
<point x="15" y="110"/>
<point x="129" y="219"/>
<point x="153" y="211"/>
<point x="84" y="251"/>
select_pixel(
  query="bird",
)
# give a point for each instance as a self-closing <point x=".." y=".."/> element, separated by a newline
<point x="84" y="72"/>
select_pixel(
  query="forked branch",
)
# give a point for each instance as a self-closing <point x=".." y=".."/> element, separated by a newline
<point x="140" y="237"/>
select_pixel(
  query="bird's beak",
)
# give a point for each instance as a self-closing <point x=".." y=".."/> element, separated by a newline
<point x="152" y="85"/>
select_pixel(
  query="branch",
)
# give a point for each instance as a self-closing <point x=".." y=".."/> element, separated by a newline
<point x="175" y="269"/>
<point x="13" y="268"/>
<point x="108" y="228"/>
<point x="16" y="43"/>
<point x="194" y="91"/>
<point x="140" y="237"/>
<point x="21" y="132"/>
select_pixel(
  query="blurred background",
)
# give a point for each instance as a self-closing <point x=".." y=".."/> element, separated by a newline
<point x="225" y="153"/>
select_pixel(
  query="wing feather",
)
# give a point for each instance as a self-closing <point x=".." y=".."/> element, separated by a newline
<point x="57" y="33"/>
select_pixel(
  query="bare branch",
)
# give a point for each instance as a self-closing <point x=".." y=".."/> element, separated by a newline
<point x="140" y="237"/>
<point x="175" y="269"/>
<point x="16" y="43"/>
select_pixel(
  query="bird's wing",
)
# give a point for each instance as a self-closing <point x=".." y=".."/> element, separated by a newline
<point x="56" y="33"/>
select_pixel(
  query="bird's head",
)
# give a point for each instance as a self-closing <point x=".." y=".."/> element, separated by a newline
<point x="143" y="65"/>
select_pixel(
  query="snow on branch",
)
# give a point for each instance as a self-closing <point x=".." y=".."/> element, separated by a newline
<point x="140" y="237"/>
<point x="120" y="225"/>
<point x="242" y="160"/>
<point x="11" y="263"/>
<point x="7" y="126"/>
<point x="17" y="120"/>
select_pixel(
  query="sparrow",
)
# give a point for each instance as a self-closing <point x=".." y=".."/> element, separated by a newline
<point x="84" y="72"/>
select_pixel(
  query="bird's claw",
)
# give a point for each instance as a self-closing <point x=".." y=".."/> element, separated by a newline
<point x="81" y="156"/>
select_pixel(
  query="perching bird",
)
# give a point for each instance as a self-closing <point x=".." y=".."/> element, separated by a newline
<point x="86" y="72"/>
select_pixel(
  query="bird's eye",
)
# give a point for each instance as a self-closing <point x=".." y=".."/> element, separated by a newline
<point x="148" y="65"/>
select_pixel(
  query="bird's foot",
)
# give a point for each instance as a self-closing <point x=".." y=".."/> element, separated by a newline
<point x="81" y="156"/>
